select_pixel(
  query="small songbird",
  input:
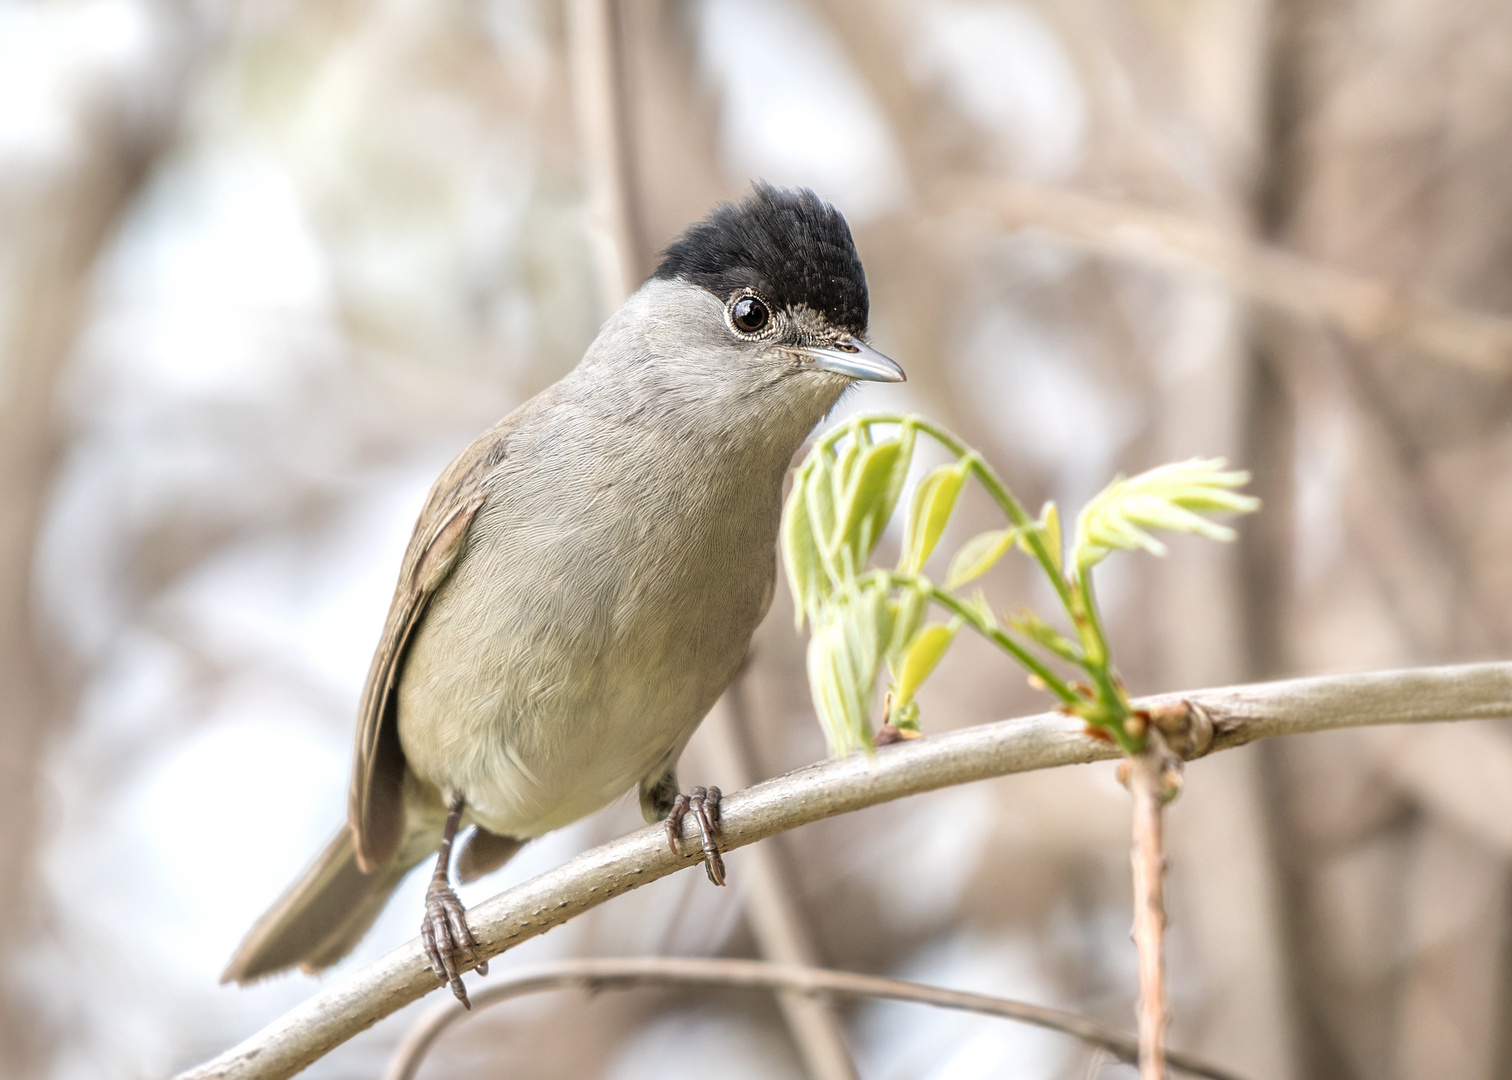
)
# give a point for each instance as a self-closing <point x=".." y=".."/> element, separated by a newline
<point x="585" y="578"/>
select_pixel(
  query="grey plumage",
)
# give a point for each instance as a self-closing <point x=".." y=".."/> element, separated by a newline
<point x="585" y="578"/>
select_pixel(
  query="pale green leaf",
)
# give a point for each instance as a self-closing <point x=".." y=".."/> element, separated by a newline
<point x="982" y="609"/>
<point x="802" y="557"/>
<point x="934" y="500"/>
<point x="871" y="493"/>
<point x="923" y="654"/>
<point x="1050" y="518"/>
<point x="978" y="555"/>
<point x="1169" y="498"/>
<point x="1029" y="624"/>
<point x="1047" y="531"/>
<point x="907" y="613"/>
<point x="819" y="493"/>
<point x="845" y="653"/>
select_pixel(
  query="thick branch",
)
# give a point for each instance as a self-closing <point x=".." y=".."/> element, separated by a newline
<point x="622" y="973"/>
<point x="1239" y="715"/>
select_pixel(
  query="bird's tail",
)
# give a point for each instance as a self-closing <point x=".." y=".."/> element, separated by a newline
<point x="321" y="917"/>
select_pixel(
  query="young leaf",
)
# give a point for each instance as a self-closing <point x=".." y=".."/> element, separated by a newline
<point x="977" y="555"/>
<point x="906" y="612"/>
<point x="819" y="494"/>
<point x="824" y="687"/>
<point x="982" y="609"/>
<point x="924" y="652"/>
<point x="1047" y="530"/>
<point x="1050" y="517"/>
<point x="1171" y="498"/>
<point x="1038" y="630"/>
<point x="933" y="501"/>
<point x="802" y="558"/>
<point x="844" y="654"/>
<point x="872" y="492"/>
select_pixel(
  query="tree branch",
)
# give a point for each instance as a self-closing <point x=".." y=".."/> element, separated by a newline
<point x="623" y="972"/>
<point x="1239" y="715"/>
<point x="1153" y="778"/>
<point x="1369" y="310"/>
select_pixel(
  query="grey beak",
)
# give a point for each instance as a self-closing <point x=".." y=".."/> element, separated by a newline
<point x="855" y="359"/>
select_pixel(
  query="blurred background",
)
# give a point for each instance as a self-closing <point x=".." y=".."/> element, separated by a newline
<point x="265" y="267"/>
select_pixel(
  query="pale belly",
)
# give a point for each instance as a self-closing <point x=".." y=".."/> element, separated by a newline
<point x="543" y="694"/>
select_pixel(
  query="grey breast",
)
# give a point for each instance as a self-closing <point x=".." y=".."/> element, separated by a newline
<point x="608" y="591"/>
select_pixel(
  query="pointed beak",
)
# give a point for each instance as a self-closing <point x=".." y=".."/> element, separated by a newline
<point x="855" y="359"/>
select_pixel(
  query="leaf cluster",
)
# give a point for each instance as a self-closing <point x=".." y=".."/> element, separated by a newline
<point x="866" y="618"/>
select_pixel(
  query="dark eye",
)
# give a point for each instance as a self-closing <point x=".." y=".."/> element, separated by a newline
<point x="749" y="315"/>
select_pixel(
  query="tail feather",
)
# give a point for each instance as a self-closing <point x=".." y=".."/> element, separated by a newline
<point x="318" y="919"/>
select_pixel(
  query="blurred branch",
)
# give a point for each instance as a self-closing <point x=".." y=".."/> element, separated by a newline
<point x="773" y="910"/>
<point x="1239" y="715"/>
<point x="598" y="42"/>
<point x="595" y="39"/>
<point x="1366" y="309"/>
<point x="809" y="982"/>
<point x="54" y="229"/>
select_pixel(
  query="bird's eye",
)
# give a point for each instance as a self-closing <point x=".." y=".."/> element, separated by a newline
<point x="749" y="315"/>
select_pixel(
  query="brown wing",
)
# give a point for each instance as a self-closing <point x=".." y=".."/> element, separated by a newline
<point x="376" y="806"/>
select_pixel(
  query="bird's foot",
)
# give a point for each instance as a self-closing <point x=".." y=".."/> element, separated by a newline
<point x="449" y="942"/>
<point x="703" y="804"/>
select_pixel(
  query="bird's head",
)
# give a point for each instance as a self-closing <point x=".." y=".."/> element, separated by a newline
<point x="757" y="311"/>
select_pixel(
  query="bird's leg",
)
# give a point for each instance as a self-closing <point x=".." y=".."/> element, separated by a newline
<point x="703" y="803"/>
<point x="449" y="941"/>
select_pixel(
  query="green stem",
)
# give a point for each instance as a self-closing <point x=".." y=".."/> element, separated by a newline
<point x="1114" y="701"/>
<point x="1012" y="508"/>
<point x="989" y="630"/>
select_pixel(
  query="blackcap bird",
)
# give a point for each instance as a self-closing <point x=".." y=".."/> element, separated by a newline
<point x="585" y="578"/>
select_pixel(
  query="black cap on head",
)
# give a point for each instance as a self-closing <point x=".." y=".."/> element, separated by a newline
<point x="790" y="246"/>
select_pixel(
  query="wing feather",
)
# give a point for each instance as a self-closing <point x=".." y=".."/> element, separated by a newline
<point x="376" y="804"/>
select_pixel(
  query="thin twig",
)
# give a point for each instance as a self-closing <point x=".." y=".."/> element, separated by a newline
<point x="1238" y="715"/>
<point x="622" y="973"/>
<point x="1153" y="778"/>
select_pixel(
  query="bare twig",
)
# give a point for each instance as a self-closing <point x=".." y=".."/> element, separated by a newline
<point x="1366" y="309"/>
<point x="625" y="972"/>
<point x="1153" y="778"/>
<point x="1238" y="715"/>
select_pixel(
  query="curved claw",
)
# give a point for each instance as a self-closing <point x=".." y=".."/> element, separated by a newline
<point x="449" y="943"/>
<point x="703" y="803"/>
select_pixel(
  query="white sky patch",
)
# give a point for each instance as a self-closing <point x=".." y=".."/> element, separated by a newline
<point x="895" y="1040"/>
<point x="1004" y="68"/>
<point x="793" y="110"/>
<point x="155" y="884"/>
<point x="920" y="867"/>
<point x="312" y="604"/>
<point x="1037" y="395"/>
<point x="253" y="795"/>
<point x="52" y="56"/>
<point x="696" y="1043"/>
<point x="215" y="270"/>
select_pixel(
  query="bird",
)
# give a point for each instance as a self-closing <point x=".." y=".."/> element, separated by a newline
<point x="584" y="580"/>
